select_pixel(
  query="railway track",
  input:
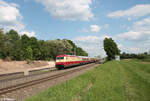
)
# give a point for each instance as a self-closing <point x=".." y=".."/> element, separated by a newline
<point x="10" y="76"/>
<point x="41" y="80"/>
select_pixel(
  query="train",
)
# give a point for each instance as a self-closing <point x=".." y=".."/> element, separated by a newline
<point x="64" y="61"/>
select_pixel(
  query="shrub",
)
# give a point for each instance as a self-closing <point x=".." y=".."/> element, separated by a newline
<point x="7" y="58"/>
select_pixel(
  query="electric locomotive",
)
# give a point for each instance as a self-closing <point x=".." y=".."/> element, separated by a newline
<point x="63" y="61"/>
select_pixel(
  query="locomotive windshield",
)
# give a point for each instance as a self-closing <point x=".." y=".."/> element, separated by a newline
<point x="59" y="58"/>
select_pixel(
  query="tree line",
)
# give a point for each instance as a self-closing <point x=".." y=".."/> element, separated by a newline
<point x="112" y="50"/>
<point x="17" y="47"/>
<point x="144" y="55"/>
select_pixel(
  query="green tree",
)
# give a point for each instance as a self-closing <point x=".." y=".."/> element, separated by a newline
<point x="2" y="39"/>
<point x="45" y="50"/>
<point x="74" y="47"/>
<point x="29" y="54"/>
<point x="110" y="48"/>
<point x="11" y="39"/>
<point x="12" y="36"/>
<point x="25" y="42"/>
<point x="35" y="47"/>
<point x="81" y="52"/>
<point x="77" y="50"/>
<point x="18" y="47"/>
<point x="17" y="52"/>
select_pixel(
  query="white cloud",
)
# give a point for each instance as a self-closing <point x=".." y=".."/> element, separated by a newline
<point x="134" y="49"/>
<point x="143" y="25"/>
<point x="137" y="38"/>
<point x="136" y="11"/>
<point x="131" y="49"/>
<point x="106" y="25"/>
<point x="91" y="44"/>
<point x="95" y="28"/>
<point x="69" y="9"/>
<point x="90" y="39"/>
<point x="131" y="35"/>
<point x="30" y="34"/>
<point x="120" y="46"/>
<point x="128" y="49"/>
<point x="10" y="17"/>
<point x="84" y="30"/>
<point x="139" y="31"/>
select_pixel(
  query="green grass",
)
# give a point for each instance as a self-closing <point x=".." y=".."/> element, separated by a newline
<point x="113" y="81"/>
<point x="146" y="58"/>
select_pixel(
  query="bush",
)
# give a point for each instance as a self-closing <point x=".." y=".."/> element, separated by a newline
<point x="7" y="58"/>
<point x="29" y="61"/>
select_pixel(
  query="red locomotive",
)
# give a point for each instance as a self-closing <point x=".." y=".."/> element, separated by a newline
<point x="63" y="61"/>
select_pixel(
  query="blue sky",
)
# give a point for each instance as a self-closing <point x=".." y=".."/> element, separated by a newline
<point x="86" y="22"/>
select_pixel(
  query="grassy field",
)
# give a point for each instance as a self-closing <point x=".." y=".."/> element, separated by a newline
<point x="146" y="59"/>
<point x="127" y="80"/>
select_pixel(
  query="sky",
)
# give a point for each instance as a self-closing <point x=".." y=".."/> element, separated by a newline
<point x="86" y="22"/>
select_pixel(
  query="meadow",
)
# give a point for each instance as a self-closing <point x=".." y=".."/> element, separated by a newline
<point x="125" y="80"/>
